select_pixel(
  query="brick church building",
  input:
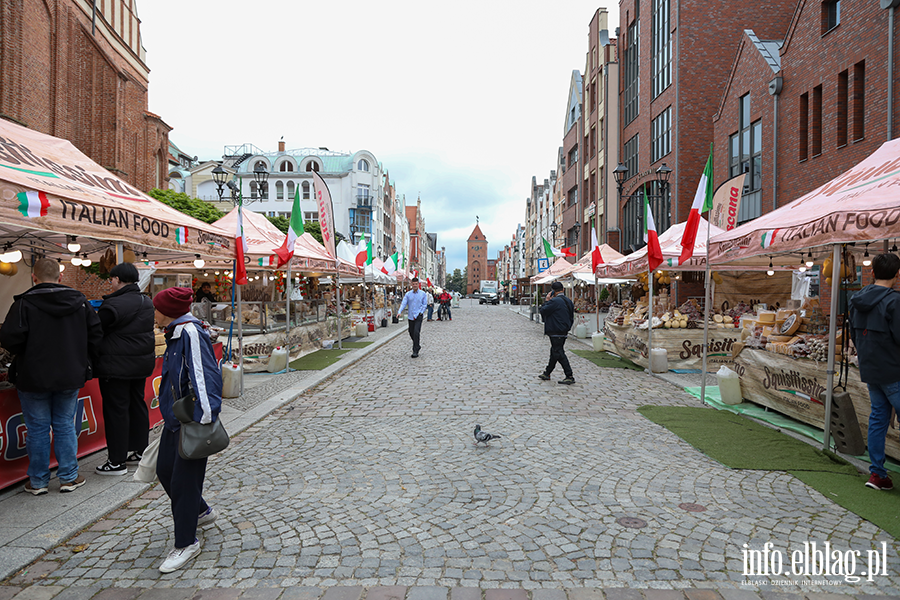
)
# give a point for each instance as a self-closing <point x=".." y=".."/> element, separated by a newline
<point x="477" y="267"/>
<point x="77" y="70"/>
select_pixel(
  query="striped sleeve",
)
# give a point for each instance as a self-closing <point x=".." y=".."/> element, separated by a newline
<point x="193" y="355"/>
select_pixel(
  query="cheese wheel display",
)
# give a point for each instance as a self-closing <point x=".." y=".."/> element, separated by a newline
<point x="790" y="325"/>
<point x="779" y="338"/>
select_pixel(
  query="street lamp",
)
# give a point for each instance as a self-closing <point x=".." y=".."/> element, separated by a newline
<point x="553" y="228"/>
<point x="577" y="231"/>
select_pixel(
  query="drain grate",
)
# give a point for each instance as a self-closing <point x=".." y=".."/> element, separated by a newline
<point x="691" y="507"/>
<point x="632" y="522"/>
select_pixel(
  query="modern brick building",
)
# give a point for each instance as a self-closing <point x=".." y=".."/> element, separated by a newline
<point x="674" y="61"/>
<point x="76" y="69"/>
<point x="800" y="109"/>
<point x="477" y="264"/>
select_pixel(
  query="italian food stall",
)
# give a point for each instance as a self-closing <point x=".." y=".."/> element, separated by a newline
<point x="56" y="202"/>
<point x="858" y="207"/>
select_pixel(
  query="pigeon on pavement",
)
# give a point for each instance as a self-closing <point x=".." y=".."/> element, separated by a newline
<point x="483" y="436"/>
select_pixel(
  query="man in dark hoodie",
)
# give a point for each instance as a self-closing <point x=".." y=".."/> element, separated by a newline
<point x="53" y="333"/>
<point x="127" y="357"/>
<point x="558" y="313"/>
<point x="875" y="330"/>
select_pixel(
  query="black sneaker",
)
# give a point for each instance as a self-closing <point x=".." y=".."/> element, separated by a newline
<point x="133" y="458"/>
<point x="567" y="381"/>
<point x="544" y="376"/>
<point x="108" y="468"/>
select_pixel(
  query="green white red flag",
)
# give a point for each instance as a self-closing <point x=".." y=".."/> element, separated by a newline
<point x="703" y="201"/>
<point x="596" y="257"/>
<point x="295" y="230"/>
<point x="654" y="251"/>
<point x="33" y="204"/>
<point x="240" y="247"/>
<point x="364" y="254"/>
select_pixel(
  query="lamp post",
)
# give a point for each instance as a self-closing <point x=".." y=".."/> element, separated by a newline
<point x="620" y="173"/>
<point x="577" y="231"/>
<point x="220" y="175"/>
<point x="553" y="228"/>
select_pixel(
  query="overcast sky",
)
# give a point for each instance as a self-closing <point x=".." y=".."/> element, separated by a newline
<point x="462" y="106"/>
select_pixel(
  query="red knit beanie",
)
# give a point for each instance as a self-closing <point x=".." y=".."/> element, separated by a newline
<point x="174" y="302"/>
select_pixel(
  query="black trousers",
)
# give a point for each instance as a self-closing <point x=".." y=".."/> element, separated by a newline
<point x="558" y="355"/>
<point x="183" y="481"/>
<point x="125" y="417"/>
<point x="415" y="330"/>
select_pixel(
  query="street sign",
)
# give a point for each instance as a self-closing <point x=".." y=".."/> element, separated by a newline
<point x="543" y="264"/>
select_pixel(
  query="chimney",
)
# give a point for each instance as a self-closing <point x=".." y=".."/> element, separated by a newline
<point x="281" y="146"/>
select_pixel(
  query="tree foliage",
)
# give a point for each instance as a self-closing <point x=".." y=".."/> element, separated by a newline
<point x="458" y="281"/>
<point x="280" y="222"/>
<point x="194" y="207"/>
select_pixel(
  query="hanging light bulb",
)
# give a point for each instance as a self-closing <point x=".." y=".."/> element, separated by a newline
<point x="771" y="270"/>
<point x="10" y="256"/>
<point x="894" y="248"/>
<point x="198" y="262"/>
<point x="85" y="261"/>
<point x="866" y="260"/>
<point x="809" y="260"/>
<point x="73" y="244"/>
<point x="62" y="267"/>
<point x="76" y="262"/>
<point x="217" y="272"/>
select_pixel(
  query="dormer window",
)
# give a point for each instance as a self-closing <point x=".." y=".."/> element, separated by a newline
<point x="312" y="166"/>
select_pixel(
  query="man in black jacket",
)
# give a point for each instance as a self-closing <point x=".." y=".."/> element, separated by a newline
<point x="875" y="329"/>
<point x="53" y="333"/>
<point x="127" y="357"/>
<point x="558" y="313"/>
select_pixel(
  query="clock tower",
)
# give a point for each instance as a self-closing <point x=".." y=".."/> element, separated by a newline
<point x="477" y="263"/>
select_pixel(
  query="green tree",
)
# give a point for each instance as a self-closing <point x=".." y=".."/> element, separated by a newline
<point x="194" y="207"/>
<point x="280" y="222"/>
<point x="458" y="281"/>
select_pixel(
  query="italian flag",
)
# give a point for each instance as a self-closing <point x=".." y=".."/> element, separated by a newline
<point x="390" y="264"/>
<point x="769" y="237"/>
<point x="295" y="230"/>
<point x="240" y="247"/>
<point x="33" y="204"/>
<point x="550" y="251"/>
<point x="181" y="235"/>
<point x="703" y="201"/>
<point x="596" y="257"/>
<point x="654" y="252"/>
<point x="364" y="252"/>
<point x="268" y="261"/>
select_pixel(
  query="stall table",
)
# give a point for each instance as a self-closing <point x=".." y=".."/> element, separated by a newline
<point x="796" y="387"/>
<point x="684" y="347"/>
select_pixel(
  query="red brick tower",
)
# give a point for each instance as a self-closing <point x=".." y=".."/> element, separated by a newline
<point x="477" y="263"/>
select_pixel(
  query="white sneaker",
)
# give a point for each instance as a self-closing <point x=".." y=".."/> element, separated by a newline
<point x="179" y="556"/>
<point x="206" y="518"/>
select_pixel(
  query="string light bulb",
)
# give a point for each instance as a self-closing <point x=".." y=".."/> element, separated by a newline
<point x="809" y="260"/>
<point x="198" y="262"/>
<point x="76" y="261"/>
<point x="866" y="260"/>
<point x="771" y="270"/>
<point x="85" y="261"/>
<point x="73" y="244"/>
<point x="62" y="267"/>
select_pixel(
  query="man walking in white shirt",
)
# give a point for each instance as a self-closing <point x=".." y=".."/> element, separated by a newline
<point x="415" y="302"/>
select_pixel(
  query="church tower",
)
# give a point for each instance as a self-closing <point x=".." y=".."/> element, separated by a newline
<point x="477" y="265"/>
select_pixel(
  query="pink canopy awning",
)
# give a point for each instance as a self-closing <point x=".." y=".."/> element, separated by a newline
<point x="670" y="243"/>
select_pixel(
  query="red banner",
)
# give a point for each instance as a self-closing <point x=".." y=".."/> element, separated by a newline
<point x="91" y="432"/>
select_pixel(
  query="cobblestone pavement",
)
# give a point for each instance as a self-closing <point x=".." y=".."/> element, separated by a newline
<point x="372" y="479"/>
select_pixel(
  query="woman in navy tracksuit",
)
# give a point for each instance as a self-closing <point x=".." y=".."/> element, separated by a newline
<point x="190" y="359"/>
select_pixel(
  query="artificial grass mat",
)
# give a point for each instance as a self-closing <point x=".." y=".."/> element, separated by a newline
<point x="354" y="344"/>
<point x="605" y="359"/>
<point x="740" y="443"/>
<point x="318" y="360"/>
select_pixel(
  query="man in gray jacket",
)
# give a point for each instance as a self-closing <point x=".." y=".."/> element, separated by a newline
<point x="558" y="313"/>
<point x="875" y="330"/>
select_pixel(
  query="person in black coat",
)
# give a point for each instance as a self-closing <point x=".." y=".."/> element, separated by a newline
<point x="54" y="334"/>
<point x="558" y="313"/>
<point x="127" y="357"/>
<point x="204" y="293"/>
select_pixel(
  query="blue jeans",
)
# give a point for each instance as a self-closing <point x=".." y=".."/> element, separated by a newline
<point x="430" y="311"/>
<point x="43" y="411"/>
<point x="883" y="398"/>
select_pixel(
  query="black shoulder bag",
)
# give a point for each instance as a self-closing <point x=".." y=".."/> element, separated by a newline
<point x="197" y="440"/>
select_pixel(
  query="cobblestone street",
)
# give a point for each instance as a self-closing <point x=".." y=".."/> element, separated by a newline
<point x="372" y="479"/>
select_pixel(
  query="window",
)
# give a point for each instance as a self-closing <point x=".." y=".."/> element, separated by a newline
<point x="573" y="156"/>
<point x="803" y="127"/>
<point x="286" y="166"/>
<point x="631" y="155"/>
<point x="859" y="100"/>
<point x="290" y="190"/>
<point x="831" y="15"/>
<point x="311" y="217"/>
<point x="816" y="128"/>
<point x="843" y="88"/>
<point x="305" y="187"/>
<point x="279" y="191"/>
<point x="312" y="166"/>
<point x="631" y="80"/>
<point x="253" y="192"/>
<point x="662" y="47"/>
<point x="260" y="165"/>
<point x="361" y="219"/>
<point x="661" y="131"/>
<point x="362" y="195"/>
<point x="362" y="165"/>
<point x="593" y="141"/>
<point x="572" y="196"/>
<point x="745" y="156"/>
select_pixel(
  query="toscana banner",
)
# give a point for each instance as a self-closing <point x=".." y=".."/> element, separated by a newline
<point x="47" y="184"/>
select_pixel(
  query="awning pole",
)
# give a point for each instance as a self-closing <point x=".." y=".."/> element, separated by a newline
<point x="240" y="320"/>
<point x="832" y="337"/>
<point x="339" y="312"/>
<point x="287" y="313"/>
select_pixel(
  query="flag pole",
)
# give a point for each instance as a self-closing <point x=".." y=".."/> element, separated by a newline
<point x="240" y="318"/>
<point x="339" y="312"/>
<point x="706" y="302"/>
<point x="287" y="314"/>
<point x="649" y="315"/>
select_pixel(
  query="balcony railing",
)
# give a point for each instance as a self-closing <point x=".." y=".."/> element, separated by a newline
<point x="364" y="200"/>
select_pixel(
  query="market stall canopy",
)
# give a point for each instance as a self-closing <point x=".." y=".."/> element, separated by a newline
<point x="861" y="205"/>
<point x="49" y="190"/>
<point x="263" y="237"/>
<point x="607" y="253"/>
<point x="588" y="278"/>
<point x="560" y="267"/>
<point x="670" y="243"/>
